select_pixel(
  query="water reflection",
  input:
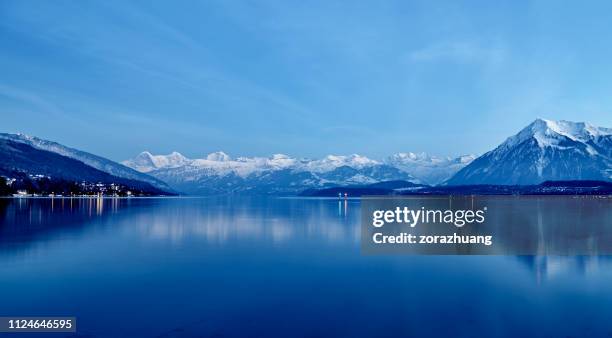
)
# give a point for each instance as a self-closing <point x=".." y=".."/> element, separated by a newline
<point x="215" y="220"/>
<point x="277" y="221"/>
<point x="229" y="221"/>
<point x="551" y="225"/>
<point x="551" y="267"/>
<point x="28" y="222"/>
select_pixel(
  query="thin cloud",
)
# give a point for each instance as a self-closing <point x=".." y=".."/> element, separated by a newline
<point x="31" y="98"/>
<point x="195" y="71"/>
<point x="458" y="51"/>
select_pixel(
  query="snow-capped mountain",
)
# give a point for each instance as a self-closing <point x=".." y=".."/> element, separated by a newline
<point x="38" y="170"/>
<point x="544" y="150"/>
<point x="146" y="162"/>
<point x="428" y="169"/>
<point x="218" y="173"/>
<point x="91" y="160"/>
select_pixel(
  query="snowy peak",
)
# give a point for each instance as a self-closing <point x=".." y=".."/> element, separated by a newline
<point x="577" y="131"/>
<point x="173" y="159"/>
<point x="410" y="158"/>
<point x="427" y="168"/>
<point x="218" y="156"/>
<point x="146" y="162"/>
<point x="331" y="162"/>
<point x="552" y="133"/>
<point x="143" y="160"/>
<point x="544" y="150"/>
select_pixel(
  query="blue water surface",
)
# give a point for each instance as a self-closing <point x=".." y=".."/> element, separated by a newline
<point x="273" y="267"/>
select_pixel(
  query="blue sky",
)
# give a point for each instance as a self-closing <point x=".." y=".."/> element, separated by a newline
<point x="305" y="78"/>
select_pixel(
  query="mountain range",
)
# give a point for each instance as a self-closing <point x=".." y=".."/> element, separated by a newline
<point x="545" y="150"/>
<point x="218" y="172"/>
<point x="279" y="174"/>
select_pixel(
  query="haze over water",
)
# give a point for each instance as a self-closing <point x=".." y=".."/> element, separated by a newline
<point x="274" y="267"/>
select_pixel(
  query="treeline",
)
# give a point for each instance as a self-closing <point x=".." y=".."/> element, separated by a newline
<point x="5" y="190"/>
<point x="406" y="188"/>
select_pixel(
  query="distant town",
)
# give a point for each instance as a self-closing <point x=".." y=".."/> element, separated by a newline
<point x="37" y="185"/>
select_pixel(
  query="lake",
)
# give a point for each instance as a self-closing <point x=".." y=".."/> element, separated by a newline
<point x="274" y="267"/>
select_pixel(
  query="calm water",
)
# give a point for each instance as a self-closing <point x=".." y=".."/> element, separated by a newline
<point x="266" y="267"/>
